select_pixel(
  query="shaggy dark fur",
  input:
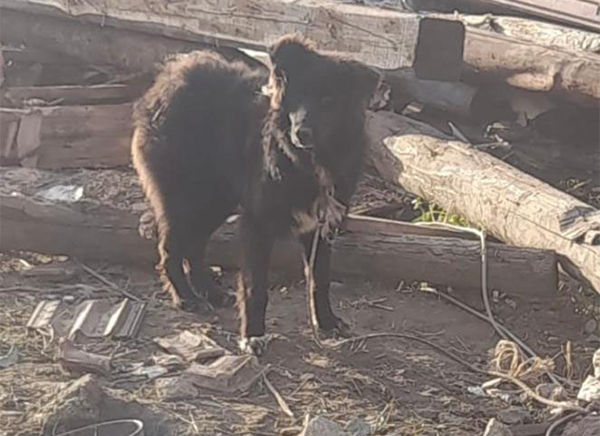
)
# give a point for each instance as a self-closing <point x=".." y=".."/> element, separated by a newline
<point x="206" y="141"/>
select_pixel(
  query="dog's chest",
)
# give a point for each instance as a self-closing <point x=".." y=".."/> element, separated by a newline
<point x="324" y="211"/>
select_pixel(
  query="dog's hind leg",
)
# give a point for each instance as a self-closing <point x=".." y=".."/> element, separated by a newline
<point x="172" y="248"/>
<point x="213" y="214"/>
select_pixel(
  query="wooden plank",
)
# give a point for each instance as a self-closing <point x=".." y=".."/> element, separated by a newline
<point x="383" y="38"/>
<point x="574" y="12"/>
<point x="99" y="231"/>
<point x="94" y="136"/>
<point x="72" y="95"/>
<point x="511" y="205"/>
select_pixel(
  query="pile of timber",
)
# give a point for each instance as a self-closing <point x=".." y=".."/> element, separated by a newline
<point x="71" y="72"/>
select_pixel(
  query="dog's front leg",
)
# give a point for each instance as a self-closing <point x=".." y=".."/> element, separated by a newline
<point x="253" y="296"/>
<point x="317" y="265"/>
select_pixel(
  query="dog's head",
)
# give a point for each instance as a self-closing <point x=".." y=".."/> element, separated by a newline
<point x="319" y="97"/>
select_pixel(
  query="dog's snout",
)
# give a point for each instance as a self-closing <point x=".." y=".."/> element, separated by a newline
<point x="305" y="136"/>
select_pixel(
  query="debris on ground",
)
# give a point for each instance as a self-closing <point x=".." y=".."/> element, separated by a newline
<point x="81" y="402"/>
<point x="91" y="318"/>
<point x="227" y="373"/>
<point x="80" y="361"/>
<point x="496" y="428"/>
<point x="190" y="346"/>
<point x="513" y="416"/>
<point x="358" y="427"/>
<point x="586" y="426"/>
<point x="320" y="426"/>
<point x="10" y="358"/>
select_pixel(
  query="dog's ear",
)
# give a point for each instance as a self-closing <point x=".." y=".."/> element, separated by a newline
<point x="290" y="54"/>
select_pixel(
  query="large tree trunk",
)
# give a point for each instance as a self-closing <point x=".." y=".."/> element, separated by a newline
<point x="371" y="248"/>
<point x="382" y="38"/>
<point x="511" y="205"/>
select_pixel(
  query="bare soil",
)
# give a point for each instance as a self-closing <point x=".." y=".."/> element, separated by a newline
<point x="400" y="387"/>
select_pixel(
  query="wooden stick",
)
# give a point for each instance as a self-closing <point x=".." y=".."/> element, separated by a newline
<point x="280" y="400"/>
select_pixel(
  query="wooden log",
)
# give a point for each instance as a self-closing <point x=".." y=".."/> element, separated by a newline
<point x="574" y="12"/>
<point x="91" y="229"/>
<point x="511" y="205"/>
<point x="382" y="38"/>
<point x="93" y="136"/>
<point x="543" y="33"/>
<point x="533" y="66"/>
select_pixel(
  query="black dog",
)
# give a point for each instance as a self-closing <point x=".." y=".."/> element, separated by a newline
<point x="207" y="141"/>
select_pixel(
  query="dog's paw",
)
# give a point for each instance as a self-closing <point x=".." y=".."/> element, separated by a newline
<point x="255" y="345"/>
<point x="337" y="329"/>
<point x="193" y="305"/>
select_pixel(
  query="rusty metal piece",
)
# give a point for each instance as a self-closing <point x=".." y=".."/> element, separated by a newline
<point x="78" y="360"/>
<point x="43" y="314"/>
<point x="93" y="318"/>
<point x="227" y="374"/>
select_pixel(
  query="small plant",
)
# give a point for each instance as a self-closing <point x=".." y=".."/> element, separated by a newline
<point x="432" y="213"/>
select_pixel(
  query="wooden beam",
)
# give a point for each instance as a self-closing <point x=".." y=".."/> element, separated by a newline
<point x="382" y="38"/>
<point x="95" y="136"/>
<point x="574" y="12"/>
<point x="123" y="50"/>
<point x="513" y="206"/>
<point x="96" y="230"/>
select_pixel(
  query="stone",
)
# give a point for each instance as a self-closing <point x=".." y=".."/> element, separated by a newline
<point x="513" y="415"/>
<point x="358" y="427"/>
<point x="175" y="389"/>
<point x="551" y="391"/>
<point x="74" y="404"/>
<point x="587" y="426"/>
<point x="496" y="428"/>
<point x="591" y="326"/>
<point x="320" y="426"/>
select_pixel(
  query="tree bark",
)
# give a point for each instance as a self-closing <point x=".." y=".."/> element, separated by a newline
<point x="511" y="205"/>
<point x="370" y="249"/>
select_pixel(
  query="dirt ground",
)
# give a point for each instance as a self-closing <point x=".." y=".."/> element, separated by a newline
<point x="399" y="387"/>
